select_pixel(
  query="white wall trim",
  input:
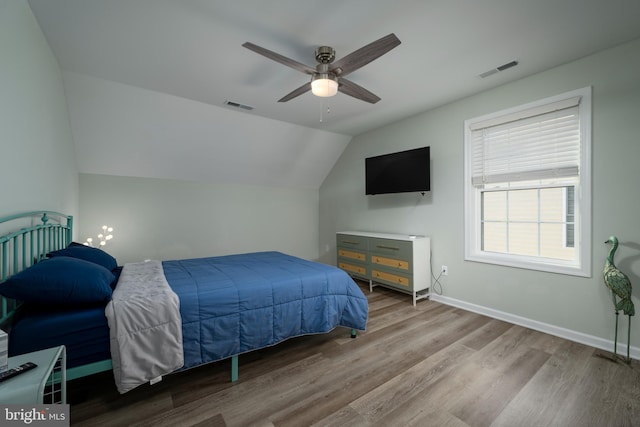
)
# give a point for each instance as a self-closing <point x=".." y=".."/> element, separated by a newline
<point x="547" y="328"/>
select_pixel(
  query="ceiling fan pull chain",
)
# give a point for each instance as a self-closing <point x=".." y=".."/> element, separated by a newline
<point x="322" y="109"/>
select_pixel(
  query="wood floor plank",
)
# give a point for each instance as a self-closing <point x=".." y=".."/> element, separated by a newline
<point x="345" y="416"/>
<point x="201" y="413"/>
<point x="431" y="401"/>
<point x="102" y="413"/>
<point x="411" y="383"/>
<point x="543" y="398"/>
<point x="627" y="411"/>
<point x="485" y="399"/>
<point x="426" y="416"/>
<point x="501" y="352"/>
<point x="486" y="334"/>
<point x="216" y="421"/>
<point x="594" y="399"/>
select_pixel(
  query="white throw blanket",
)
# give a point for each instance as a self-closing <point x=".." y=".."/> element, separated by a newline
<point x="145" y="326"/>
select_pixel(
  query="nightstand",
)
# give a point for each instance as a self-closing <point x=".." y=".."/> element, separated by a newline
<point x="47" y="383"/>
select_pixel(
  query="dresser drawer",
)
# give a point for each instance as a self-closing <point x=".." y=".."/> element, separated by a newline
<point x="391" y="279"/>
<point x="346" y="253"/>
<point x="356" y="270"/>
<point x="353" y="242"/>
<point x="390" y="262"/>
<point x="397" y="249"/>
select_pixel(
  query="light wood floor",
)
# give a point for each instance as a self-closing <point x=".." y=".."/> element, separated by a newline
<point x="429" y="365"/>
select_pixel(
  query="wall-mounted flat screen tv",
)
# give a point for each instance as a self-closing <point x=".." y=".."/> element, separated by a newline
<point x="402" y="172"/>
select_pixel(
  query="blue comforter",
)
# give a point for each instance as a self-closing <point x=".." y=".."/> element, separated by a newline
<point x="237" y="303"/>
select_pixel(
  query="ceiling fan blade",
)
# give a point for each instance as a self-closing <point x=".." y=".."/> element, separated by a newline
<point x="364" y="55"/>
<point x="350" y="88"/>
<point x="297" y="92"/>
<point x="279" y="58"/>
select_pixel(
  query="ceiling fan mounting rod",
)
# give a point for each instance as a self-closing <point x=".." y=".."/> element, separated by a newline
<point x="322" y="68"/>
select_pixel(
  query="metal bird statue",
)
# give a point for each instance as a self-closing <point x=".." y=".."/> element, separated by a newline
<point x="620" y="286"/>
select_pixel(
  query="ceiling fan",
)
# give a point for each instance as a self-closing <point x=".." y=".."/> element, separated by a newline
<point x="327" y="78"/>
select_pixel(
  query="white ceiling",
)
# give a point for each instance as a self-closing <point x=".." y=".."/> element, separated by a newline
<point x="192" y="48"/>
<point x="146" y="80"/>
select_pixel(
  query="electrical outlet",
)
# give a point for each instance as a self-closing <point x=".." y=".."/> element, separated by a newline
<point x="445" y="270"/>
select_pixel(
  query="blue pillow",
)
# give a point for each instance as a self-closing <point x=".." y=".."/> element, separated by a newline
<point x="87" y="253"/>
<point x="60" y="281"/>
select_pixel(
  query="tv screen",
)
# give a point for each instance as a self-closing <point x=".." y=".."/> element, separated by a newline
<point x="402" y="172"/>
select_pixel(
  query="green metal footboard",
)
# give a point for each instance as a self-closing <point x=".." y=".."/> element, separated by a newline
<point x="106" y="365"/>
<point x="89" y="369"/>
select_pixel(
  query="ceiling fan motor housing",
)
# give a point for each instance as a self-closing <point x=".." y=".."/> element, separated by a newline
<point x="325" y="54"/>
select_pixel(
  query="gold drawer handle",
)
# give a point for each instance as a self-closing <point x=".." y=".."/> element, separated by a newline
<point x="387" y="247"/>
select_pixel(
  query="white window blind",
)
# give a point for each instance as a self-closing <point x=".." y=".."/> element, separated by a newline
<point x="533" y="144"/>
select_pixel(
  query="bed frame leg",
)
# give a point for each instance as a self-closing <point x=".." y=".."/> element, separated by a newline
<point x="354" y="333"/>
<point x="234" y="368"/>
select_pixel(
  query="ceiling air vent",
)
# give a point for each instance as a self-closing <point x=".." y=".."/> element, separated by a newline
<point x="500" y="68"/>
<point x="238" y="105"/>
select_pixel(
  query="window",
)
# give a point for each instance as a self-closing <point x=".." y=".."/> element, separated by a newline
<point x="528" y="185"/>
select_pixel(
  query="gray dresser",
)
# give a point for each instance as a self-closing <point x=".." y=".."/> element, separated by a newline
<point x="396" y="261"/>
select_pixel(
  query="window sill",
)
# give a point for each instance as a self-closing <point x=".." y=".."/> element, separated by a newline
<point x="552" y="266"/>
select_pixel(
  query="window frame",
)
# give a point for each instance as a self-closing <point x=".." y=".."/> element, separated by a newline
<point x="581" y="266"/>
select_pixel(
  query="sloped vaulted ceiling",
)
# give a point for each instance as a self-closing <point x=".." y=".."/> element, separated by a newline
<point x="147" y="79"/>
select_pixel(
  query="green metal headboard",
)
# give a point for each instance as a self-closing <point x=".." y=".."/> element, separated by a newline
<point x="37" y="234"/>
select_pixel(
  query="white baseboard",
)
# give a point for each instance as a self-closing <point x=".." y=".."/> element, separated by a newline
<point x="569" y="334"/>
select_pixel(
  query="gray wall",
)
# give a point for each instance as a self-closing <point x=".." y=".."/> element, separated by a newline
<point x="36" y="147"/>
<point x="576" y="307"/>
<point x="170" y="219"/>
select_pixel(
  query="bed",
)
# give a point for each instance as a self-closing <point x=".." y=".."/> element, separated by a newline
<point x="228" y="305"/>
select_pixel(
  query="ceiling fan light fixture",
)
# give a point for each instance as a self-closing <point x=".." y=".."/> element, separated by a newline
<point x="324" y="85"/>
